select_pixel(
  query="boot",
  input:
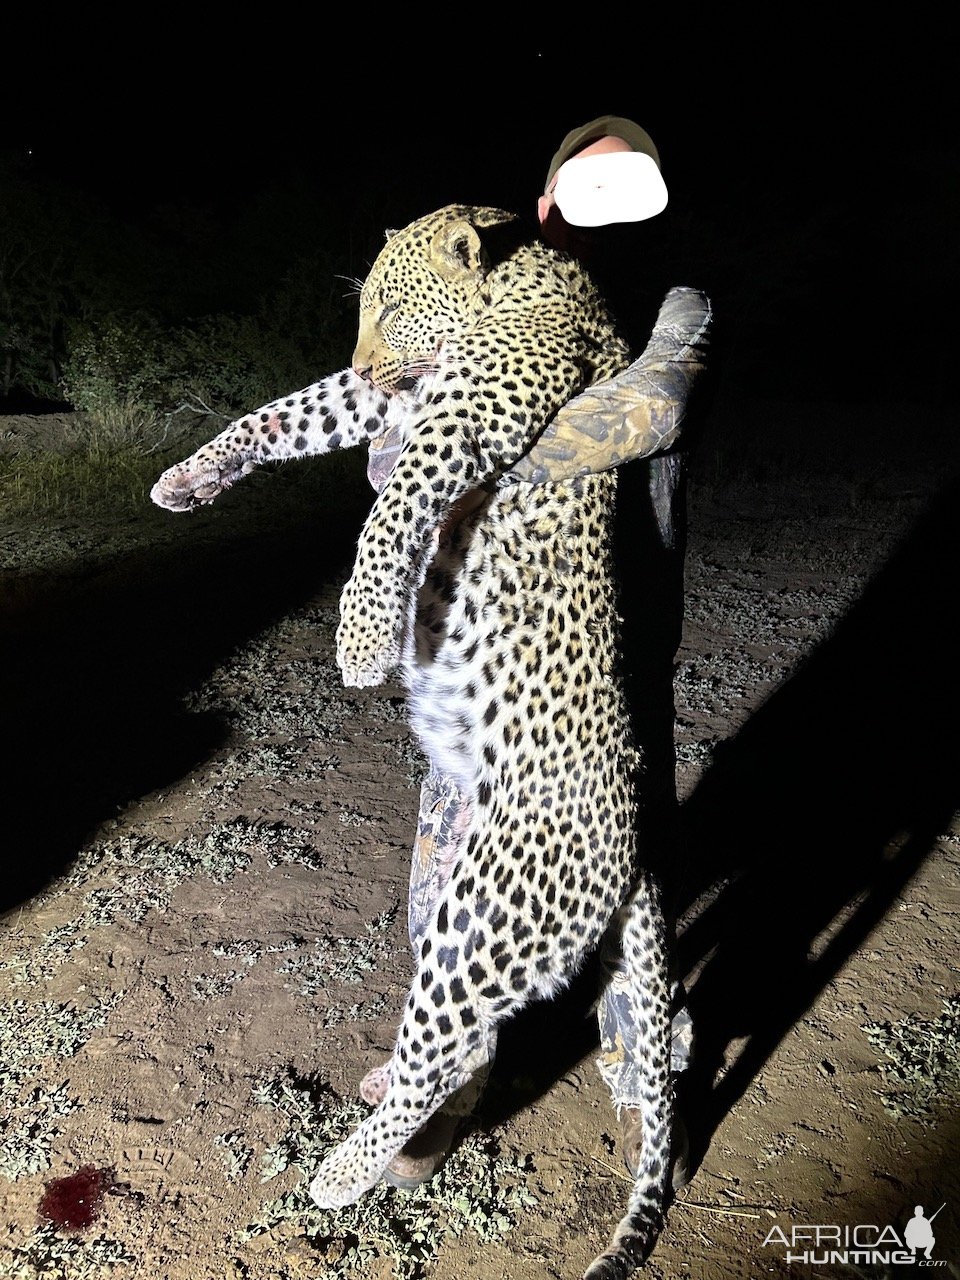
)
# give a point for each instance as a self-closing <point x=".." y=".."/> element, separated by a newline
<point x="425" y="1153"/>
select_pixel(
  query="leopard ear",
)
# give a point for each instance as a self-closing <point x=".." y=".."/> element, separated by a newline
<point x="456" y="251"/>
<point x="391" y="232"/>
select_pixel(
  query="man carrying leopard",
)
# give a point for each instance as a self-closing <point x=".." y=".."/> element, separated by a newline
<point x="520" y="705"/>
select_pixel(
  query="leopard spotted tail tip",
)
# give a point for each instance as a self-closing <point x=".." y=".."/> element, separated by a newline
<point x="632" y="1245"/>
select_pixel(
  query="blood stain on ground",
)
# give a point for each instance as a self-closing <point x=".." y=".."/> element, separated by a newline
<point x="73" y="1203"/>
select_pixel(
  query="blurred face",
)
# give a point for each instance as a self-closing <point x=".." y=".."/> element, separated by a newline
<point x="554" y="228"/>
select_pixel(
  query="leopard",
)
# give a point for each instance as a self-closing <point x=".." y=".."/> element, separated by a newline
<point x="496" y="602"/>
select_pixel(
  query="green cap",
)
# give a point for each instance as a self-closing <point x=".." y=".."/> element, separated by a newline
<point x="602" y="127"/>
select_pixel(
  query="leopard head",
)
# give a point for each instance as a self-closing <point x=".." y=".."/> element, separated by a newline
<point x="425" y="288"/>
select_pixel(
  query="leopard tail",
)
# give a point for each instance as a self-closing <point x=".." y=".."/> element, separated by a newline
<point x="644" y="952"/>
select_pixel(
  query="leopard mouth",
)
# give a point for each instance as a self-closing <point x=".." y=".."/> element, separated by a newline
<point x="414" y="371"/>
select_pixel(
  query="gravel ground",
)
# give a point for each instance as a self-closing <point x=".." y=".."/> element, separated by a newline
<point x="204" y="947"/>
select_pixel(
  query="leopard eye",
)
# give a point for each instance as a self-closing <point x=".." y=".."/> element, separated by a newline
<point x="390" y="309"/>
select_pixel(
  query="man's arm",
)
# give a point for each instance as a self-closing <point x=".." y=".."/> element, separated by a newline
<point x="635" y="414"/>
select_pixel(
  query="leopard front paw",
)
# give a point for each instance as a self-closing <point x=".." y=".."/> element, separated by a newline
<point x="364" y="666"/>
<point x="368" y="645"/>
<point x="196" y="482"/>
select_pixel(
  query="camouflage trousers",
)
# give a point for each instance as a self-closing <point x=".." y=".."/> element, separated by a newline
<point x="441" y="824"/>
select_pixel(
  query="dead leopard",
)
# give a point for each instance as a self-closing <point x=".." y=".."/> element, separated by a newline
<point x="472" y="336"/>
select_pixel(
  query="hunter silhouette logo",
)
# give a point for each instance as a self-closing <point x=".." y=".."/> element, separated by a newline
<point x="919" y="1233"/>
<point x="866" y="1244"/>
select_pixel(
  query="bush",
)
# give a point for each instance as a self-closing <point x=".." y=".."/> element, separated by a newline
<point x="143" y="387"/>
<point x="228" y="363"/>
<point x="114" y="362"/>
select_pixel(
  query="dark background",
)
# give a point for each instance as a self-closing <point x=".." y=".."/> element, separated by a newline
<point x="736" y="112"/>
<point x="812" y="171"/>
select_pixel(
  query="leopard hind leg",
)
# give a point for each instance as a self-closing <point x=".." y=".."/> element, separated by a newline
<point x="422" y="1074"/>
<point x="442" y="825"/>
<point x="480" y="961"/>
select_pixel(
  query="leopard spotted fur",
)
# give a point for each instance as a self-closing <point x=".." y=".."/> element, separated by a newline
<point x="472" y="334"/>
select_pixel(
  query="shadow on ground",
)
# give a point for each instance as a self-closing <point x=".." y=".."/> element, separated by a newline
<point x="92" y="680"/>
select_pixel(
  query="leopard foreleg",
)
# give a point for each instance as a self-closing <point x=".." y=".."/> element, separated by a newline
<point x="337" y="413"/>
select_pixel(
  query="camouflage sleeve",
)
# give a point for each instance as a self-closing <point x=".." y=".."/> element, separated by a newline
<point x="635" y="414"/>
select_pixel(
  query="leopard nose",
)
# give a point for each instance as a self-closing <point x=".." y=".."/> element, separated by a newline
<point x="363" y="371"/>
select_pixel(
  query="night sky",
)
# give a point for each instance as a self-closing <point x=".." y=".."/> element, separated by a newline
<point x="796" y="107"/>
